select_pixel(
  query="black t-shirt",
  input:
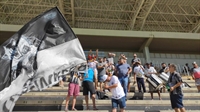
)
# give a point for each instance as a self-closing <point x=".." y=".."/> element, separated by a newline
<point x="162" y="70"/>
<point x="134" y="60"/>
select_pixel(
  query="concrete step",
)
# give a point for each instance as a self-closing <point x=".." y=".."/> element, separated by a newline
<point x="109" y="111"/>
<point x="146" y="95"/>
<point x="184" y="77"/>
<point x="107" y="102"/>
<point x="132" y="89"/>
<point x="146" y="102"/>
<point x="192" y="84"/>
<point x="37" y="105"/>
<point x="48" y="108"/>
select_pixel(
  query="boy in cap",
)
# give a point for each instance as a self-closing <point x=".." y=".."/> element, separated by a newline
<point x="118" y="95"/>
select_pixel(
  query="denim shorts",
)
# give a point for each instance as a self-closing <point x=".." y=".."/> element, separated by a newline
<point x="197" y="82"/>
<point x="121" y="102"/>
<point x="176" y="100"/>
<point x="100" y="78"/>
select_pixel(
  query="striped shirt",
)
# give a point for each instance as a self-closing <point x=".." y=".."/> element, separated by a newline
<point x="74" y="78"/>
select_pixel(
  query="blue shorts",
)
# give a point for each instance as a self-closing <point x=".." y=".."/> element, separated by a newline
<point x="100" y="78"/>
<point x="176" y="100"/>
<point x="121" y="102"/>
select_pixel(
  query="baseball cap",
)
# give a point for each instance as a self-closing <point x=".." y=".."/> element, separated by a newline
<point x="194" y="63"/>
<point x="104" y="77"/>
<point x="137" y="61"/>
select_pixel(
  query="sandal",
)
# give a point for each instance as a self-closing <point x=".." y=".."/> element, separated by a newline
<point x="95" y="109"/>
<point x="74" y="109"/>
<point x="66" y="110"/>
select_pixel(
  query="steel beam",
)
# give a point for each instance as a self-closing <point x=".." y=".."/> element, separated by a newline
<point x="60" y="2"/>
<point x="145" y="17"/>
<point x="197" y="30"/>
<point x="73" y="13"/>
<point x="140" y="3"/>
<point x="118" y="33"/>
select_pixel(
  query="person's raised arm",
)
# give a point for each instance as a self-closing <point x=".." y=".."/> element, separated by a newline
<point x="97" y="51"/>
<point x="89" y="53"/>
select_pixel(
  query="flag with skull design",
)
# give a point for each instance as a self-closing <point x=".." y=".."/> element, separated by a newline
<point x="35" y="57"/>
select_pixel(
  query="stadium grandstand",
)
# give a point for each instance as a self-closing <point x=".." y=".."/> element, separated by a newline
<point x="158" y="31"/>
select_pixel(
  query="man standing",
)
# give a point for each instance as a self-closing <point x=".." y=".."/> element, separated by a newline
<point x="176" y="93"/>
<point x="196" y="75"/>
<point x="139" y="76"/>
<point x="118" y="96"/>
<point x="133" y="64"/>
<point x="93" y="64"/>
<point x="123" y="70"/>
<point x="151" y="71"/>
<point x="101" y="68"/>
<point x="134" y="60"/>
<point x="88" y="86"/>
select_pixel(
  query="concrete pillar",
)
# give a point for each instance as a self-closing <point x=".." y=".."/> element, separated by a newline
<point x="146" y="54"/>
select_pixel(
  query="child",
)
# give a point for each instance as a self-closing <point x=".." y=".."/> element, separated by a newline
<point x="73" y="90"/>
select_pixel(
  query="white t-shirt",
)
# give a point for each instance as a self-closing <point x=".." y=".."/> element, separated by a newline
<point x="150" y="70"/>
<point x="92" y="65"/>
<point x="117" y="92"/>
<point x="139" y="71"/>
<point x="110" y="60"/>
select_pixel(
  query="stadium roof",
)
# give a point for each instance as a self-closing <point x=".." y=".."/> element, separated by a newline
<point x="136" y="15"/>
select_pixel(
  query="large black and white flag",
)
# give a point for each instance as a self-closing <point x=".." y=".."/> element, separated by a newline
<point x="37" y="56"/>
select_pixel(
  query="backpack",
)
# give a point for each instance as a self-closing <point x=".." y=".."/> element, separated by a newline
<point x="101" y="95"/>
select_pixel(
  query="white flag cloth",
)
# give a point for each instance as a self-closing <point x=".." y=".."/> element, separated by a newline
<point x="37" y="56"/>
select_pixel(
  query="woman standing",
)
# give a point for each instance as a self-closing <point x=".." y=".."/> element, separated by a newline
<point x="176" y="93"/>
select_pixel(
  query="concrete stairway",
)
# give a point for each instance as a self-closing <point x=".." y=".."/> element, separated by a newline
<point x="53" y="99"/>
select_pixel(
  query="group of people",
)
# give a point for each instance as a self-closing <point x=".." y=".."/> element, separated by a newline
<point x="116" y="79"/>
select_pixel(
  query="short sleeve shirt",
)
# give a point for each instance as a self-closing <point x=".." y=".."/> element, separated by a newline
<point x="150" y="70"/>
<point x="139" y="71"/>
<point x="101" y="71"/>
<point x="134" y="60"/>
<point x="111" y="60"/>
<point x="89" y="75"/>
<point x="92" y="65"/>
<point x="74" y="78"/>
<point x="175" y="78"/>
<point x="117" y="92"/>
<point x="123" y="69"/>
<point x="196" y="72"/>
